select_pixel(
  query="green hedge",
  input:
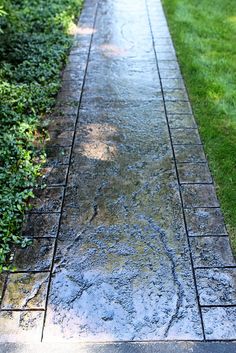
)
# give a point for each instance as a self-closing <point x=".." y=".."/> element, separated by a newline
<point x="34" y="44"/>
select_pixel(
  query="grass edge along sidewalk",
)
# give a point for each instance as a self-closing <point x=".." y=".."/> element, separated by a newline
<point x="204" y="35"/>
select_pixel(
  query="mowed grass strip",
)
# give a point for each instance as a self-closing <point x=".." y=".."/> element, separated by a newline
<point x="204" y="34"/>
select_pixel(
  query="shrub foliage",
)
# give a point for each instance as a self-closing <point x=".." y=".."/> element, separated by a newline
<point x="34" y="44"/>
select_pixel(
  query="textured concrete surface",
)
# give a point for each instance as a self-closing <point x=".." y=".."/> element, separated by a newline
<point x="129" y="240"/>
<point x="173" y="347"/>
<point x="25" y="291"/>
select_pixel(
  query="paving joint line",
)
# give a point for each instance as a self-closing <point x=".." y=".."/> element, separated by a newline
<point x="45" y="212"/>
<point x="197" y="207"/>
<point x="187" y="144"/>
<point x="70" y="158"/>
<point x="90" y="41"/>
<point x="174" y="100"/>
<point x="38" y="237"/>
<point x="195" y="183"/>
<point x="177" y="175"/>
<point x="183" y="128"/>
<point x="213" y="183"/>
<point x="29" y="271"/>
<point x="214" y="267"/>
<point x="187" y="92"/>
<point x="23" y="310"/>
<point x="219" y="306"/>
<point x="4" y="289"/>
<point x="208" y="235"/>
<point x="192" y="163"/>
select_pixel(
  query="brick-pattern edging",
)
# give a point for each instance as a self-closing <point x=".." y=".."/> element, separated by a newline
<point x="25" y="293"/>
<point x="210" y="250"/>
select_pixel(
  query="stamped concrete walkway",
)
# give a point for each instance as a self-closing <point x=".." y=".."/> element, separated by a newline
<point x="130" y="243"/>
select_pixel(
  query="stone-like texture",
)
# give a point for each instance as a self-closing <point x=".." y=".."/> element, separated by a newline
<point x="2" y="282"/>
<point x="199" y="196"/>
<point x="54" y="176"/>
<point x="72" y="95"/>
<point x="124" y="81"/>
<point x="70" y="76"/>
<point x="61" y="138"/>
<point x="170" y="84"/>
<point x="21" y="326"/>
<point x="220" y="323"/>
<point x="122" y="204"/>
<point x="38" y="225"/>
<point x="119" y="112"/>
<point x="167" y="65"/>
<point x="64" y="98"/>
<point x="194" y="173"/>
<point x="175" y="95"/>
<point x="211" y="251"/>
<point x="47" y="200"/>
<point x="181" y="121"/>
<point x="178" y="107"/>
<point x="189" y="153"/>
<point x="121" y="347"/>
<point x="216" y="286"/>
<point x="105" y="287"/>
<point x="205" y="221"/>
<point x="166" y="47"/>
<point x="122" y="266"/>
<point x="60" y="121"/>
<point x="185" y="137"/>
<point x="65" y="109"/>
<point x="165" y="56"/>
<point x="25" y="291"/>
<point x="57" y="156"/>
<point x="71" y="224"/>
<point x="171" y="74"/>
<point x="35" y="257"/>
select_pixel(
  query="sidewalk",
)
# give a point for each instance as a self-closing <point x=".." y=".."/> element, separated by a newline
<point x="130" y="243"/>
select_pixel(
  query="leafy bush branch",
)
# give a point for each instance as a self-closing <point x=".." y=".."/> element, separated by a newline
<point x="33" y="48"/>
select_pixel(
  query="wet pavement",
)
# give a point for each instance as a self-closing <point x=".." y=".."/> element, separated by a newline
<point x="129" y="240"/>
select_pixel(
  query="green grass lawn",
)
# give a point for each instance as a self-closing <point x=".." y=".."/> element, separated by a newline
<point x="34" y="44"/>
<point x="204" y="34"/>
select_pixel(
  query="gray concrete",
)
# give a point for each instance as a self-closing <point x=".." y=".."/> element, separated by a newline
<point x="173" y="347"/>
<point x="129" y="240"/>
